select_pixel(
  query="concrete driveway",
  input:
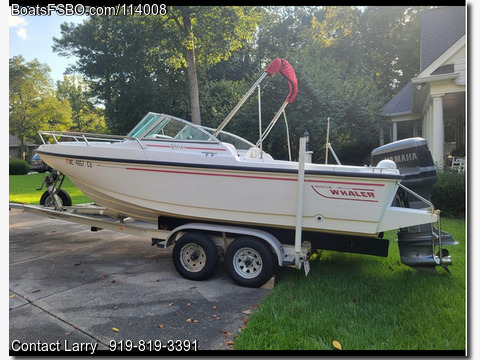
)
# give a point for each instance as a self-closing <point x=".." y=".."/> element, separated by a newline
<point x="73" y="289"/>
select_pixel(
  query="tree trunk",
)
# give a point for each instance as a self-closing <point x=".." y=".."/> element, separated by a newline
<point x="192" y="73"/>
<point x="23" y="149"/>
<point x="193" y="87"/>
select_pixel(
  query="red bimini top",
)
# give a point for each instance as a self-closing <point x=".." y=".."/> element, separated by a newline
<point x="283" y="67"/>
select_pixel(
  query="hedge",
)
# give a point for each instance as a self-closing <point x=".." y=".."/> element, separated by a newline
<point x="448" y="194"/>
<point x="18" y="167"/>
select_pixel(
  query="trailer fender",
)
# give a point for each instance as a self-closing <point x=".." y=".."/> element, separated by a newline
<point x="263" y="235"/>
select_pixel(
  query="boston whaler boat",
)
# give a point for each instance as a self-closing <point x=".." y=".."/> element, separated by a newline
<point x="210" y="190"/>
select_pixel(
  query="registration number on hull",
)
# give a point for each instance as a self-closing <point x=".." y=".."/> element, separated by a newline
<point x="82" y="163"/>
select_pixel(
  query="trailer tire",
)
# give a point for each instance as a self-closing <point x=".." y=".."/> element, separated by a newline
<point x="195" y="256"/>
<point x="46" y="199"/>
<point x="249" y="262"/>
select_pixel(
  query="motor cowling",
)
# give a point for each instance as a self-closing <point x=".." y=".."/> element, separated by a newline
<point x="415" y="162"/>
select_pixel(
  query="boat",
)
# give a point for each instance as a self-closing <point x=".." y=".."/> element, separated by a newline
<point x="169" y="167"/>
<point x="169" y="171"/>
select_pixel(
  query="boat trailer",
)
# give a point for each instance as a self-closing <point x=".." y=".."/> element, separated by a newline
<point x="252" y="261"/>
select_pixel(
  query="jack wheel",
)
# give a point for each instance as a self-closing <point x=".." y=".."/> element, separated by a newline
<point x="64" y="199"/>
<point x="195" y="256"/>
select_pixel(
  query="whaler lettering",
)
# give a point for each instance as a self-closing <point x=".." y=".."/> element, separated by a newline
<point x="354" y="193"/>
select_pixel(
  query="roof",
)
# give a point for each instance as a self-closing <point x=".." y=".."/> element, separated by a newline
<point x="440" y="28"/>
<point x="14" y="142"/>
<point x="400" y="103"/>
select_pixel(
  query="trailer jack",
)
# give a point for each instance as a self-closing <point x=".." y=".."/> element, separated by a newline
<point x="54" y="196"/>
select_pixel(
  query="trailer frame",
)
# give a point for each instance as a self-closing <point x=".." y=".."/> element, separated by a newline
<point x="98" y="218"/>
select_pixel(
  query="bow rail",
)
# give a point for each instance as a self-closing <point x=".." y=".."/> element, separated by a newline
<point x="85" y="137"/>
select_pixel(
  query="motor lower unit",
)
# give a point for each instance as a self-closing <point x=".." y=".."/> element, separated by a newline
<point x="421" y="246"/>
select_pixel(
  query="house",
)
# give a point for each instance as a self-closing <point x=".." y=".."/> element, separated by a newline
<point x="432" y="105"/>
<point x="14" y="148"/>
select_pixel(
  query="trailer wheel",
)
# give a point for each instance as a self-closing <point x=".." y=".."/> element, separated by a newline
<point x="195" y="256"/>
<point x="47" y="200"/>
<point x="249" y="262"/>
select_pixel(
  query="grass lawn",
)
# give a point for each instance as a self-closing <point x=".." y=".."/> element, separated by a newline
<point x="364" y="303"/>
<point x="23" y="189"/>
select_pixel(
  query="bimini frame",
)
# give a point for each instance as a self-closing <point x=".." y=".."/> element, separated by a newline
<point x="281" y="66"/>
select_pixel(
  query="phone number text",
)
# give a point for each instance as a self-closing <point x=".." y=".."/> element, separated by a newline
<point x="153" y="345"/>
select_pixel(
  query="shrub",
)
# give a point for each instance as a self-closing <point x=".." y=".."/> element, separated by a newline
<point x="448" y="193"/>
<point x="19" y="167"/>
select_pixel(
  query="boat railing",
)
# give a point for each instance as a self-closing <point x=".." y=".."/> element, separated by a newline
<point x="86" y="138"/>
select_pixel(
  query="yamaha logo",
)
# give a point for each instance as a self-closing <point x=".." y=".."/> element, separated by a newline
<point x="402" y="158"/>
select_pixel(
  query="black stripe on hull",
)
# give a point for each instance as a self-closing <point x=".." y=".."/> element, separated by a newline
<point x="227" y="167"/>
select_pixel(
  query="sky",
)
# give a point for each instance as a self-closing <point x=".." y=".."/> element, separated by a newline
<point x="32" y="37"/>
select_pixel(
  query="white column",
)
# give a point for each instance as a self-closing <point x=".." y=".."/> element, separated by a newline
<point x="438" y="133"/>
<point x="394" y="131"/>
<point x="415" y="129"/>
<point x="428" y="126"/>
<point x="425" y="125"/>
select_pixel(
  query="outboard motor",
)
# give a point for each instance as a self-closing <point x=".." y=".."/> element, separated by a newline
<point x="417" y="244"/>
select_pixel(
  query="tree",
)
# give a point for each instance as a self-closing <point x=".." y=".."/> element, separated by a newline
<point x="207" y="34"/>
<point x="389" y="39"/>
<point x="144" y="58"/>
<point x="336" y="24"/>
<point x="125" y="68"/>
<point x="380" y="41"/>
<point x="32" y="103"/>
<point x="51" y="113"/>
<point x="86" y="116"/>
<point x="284" y="31"/>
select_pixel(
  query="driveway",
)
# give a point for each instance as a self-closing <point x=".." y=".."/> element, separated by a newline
<point x="73" y="289"/>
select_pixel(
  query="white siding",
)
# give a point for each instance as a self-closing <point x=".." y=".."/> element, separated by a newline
<point x="458" y="60"/>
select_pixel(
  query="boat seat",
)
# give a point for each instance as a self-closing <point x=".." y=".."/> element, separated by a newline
<point x="255" y="153"/>
<point x="230" y="148"/>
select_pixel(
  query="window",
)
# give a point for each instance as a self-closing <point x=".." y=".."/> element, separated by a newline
<point x="170" y="128"/>
<point x="143" y="125"/>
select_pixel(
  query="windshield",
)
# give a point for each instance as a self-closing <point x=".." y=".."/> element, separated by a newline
<point x="161" y="126"/>
<point x="144" y="125"/>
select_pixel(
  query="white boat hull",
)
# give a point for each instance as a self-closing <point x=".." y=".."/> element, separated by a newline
<point x="148" y="183"/>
